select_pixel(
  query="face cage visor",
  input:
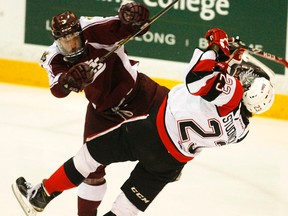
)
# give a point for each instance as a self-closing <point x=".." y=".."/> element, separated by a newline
<point x="246" y="76"/>
<point x="71" y="45"/>
<point x="247" y="81"/>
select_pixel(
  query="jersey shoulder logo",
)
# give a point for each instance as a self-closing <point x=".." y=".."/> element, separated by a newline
<point x="44" y="56"/>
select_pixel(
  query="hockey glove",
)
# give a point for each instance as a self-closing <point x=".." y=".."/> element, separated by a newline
<point x="235" y="61"/>
<point x="134" y="14"/>
<point x="233" y="64"/>
<point x="77" y="78"/>
<point x="222" y="66"/>
<point x="218" y="41"/>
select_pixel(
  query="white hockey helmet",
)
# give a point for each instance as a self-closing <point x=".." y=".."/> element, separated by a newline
<point x="259" y="96"/>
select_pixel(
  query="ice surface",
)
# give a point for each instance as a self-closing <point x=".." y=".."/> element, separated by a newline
<point x="39" y="132"/>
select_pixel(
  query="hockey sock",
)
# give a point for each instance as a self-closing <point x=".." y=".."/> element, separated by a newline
<point x="90" y="197"/>
<point x="87" y="207"/>
<point x="66" y="177"/>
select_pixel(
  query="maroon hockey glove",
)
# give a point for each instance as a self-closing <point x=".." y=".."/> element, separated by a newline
<point x="218" y="38"/>
<point x="77" y="78"/>
<point x="134" y="14"/>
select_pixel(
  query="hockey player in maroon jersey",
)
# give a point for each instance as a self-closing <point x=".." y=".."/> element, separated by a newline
<point x="211" y="109"/>
<point x="116" y="91"/>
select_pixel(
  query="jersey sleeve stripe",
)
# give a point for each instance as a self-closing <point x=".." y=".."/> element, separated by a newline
<point x="207" y="90"/>
<point x="232" y="102"/>
<point x="204" y="65"/>
<point x="196" y="85"/>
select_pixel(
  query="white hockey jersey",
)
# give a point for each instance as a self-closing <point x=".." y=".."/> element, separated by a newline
<point x="202" y="113"/>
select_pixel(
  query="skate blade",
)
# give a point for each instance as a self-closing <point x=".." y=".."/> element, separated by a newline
<point x="24" y="203"/>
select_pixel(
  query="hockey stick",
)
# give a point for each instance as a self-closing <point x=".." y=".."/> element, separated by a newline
<point x="260" y="53"/>
<point x="127" y="39"/>
<point x="144" y="26"/>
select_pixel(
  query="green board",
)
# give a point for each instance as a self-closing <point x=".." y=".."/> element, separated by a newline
<point x="261" y="24"/>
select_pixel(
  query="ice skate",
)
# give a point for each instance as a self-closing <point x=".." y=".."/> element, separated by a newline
<point x="35" y="197"/>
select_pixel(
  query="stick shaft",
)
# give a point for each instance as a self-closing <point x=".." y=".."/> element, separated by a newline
<point x="268" y="56"/>
<point x="124" y="41"/>
<point x="261" y="53"/>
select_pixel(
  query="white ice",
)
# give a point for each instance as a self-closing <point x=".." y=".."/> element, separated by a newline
<point x="39" y="132"/>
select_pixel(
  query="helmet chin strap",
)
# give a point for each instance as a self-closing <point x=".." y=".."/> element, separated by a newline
<point x="75" y="57"/>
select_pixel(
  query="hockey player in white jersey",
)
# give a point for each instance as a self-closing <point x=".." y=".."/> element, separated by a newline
<point x="210" y="109"/>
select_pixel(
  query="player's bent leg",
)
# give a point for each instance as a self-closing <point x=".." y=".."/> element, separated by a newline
<point x="91" y="193"/>
<point x="90" y="197"/>
<point x="123" y="207"/>
<point x="142" y="187"/>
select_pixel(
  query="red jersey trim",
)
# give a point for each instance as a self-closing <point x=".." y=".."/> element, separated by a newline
<point x="234" y="102"/>
<point x="207" y="88"/>
<point x="160" y="123"/>
<point x="204" y="65"/>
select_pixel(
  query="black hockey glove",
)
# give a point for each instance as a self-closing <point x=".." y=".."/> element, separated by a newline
<point x="77" y="78"/>
<point x="134" y="14"/>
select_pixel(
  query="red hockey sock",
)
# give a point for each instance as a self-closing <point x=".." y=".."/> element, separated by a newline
<point x="58" y="181"/>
